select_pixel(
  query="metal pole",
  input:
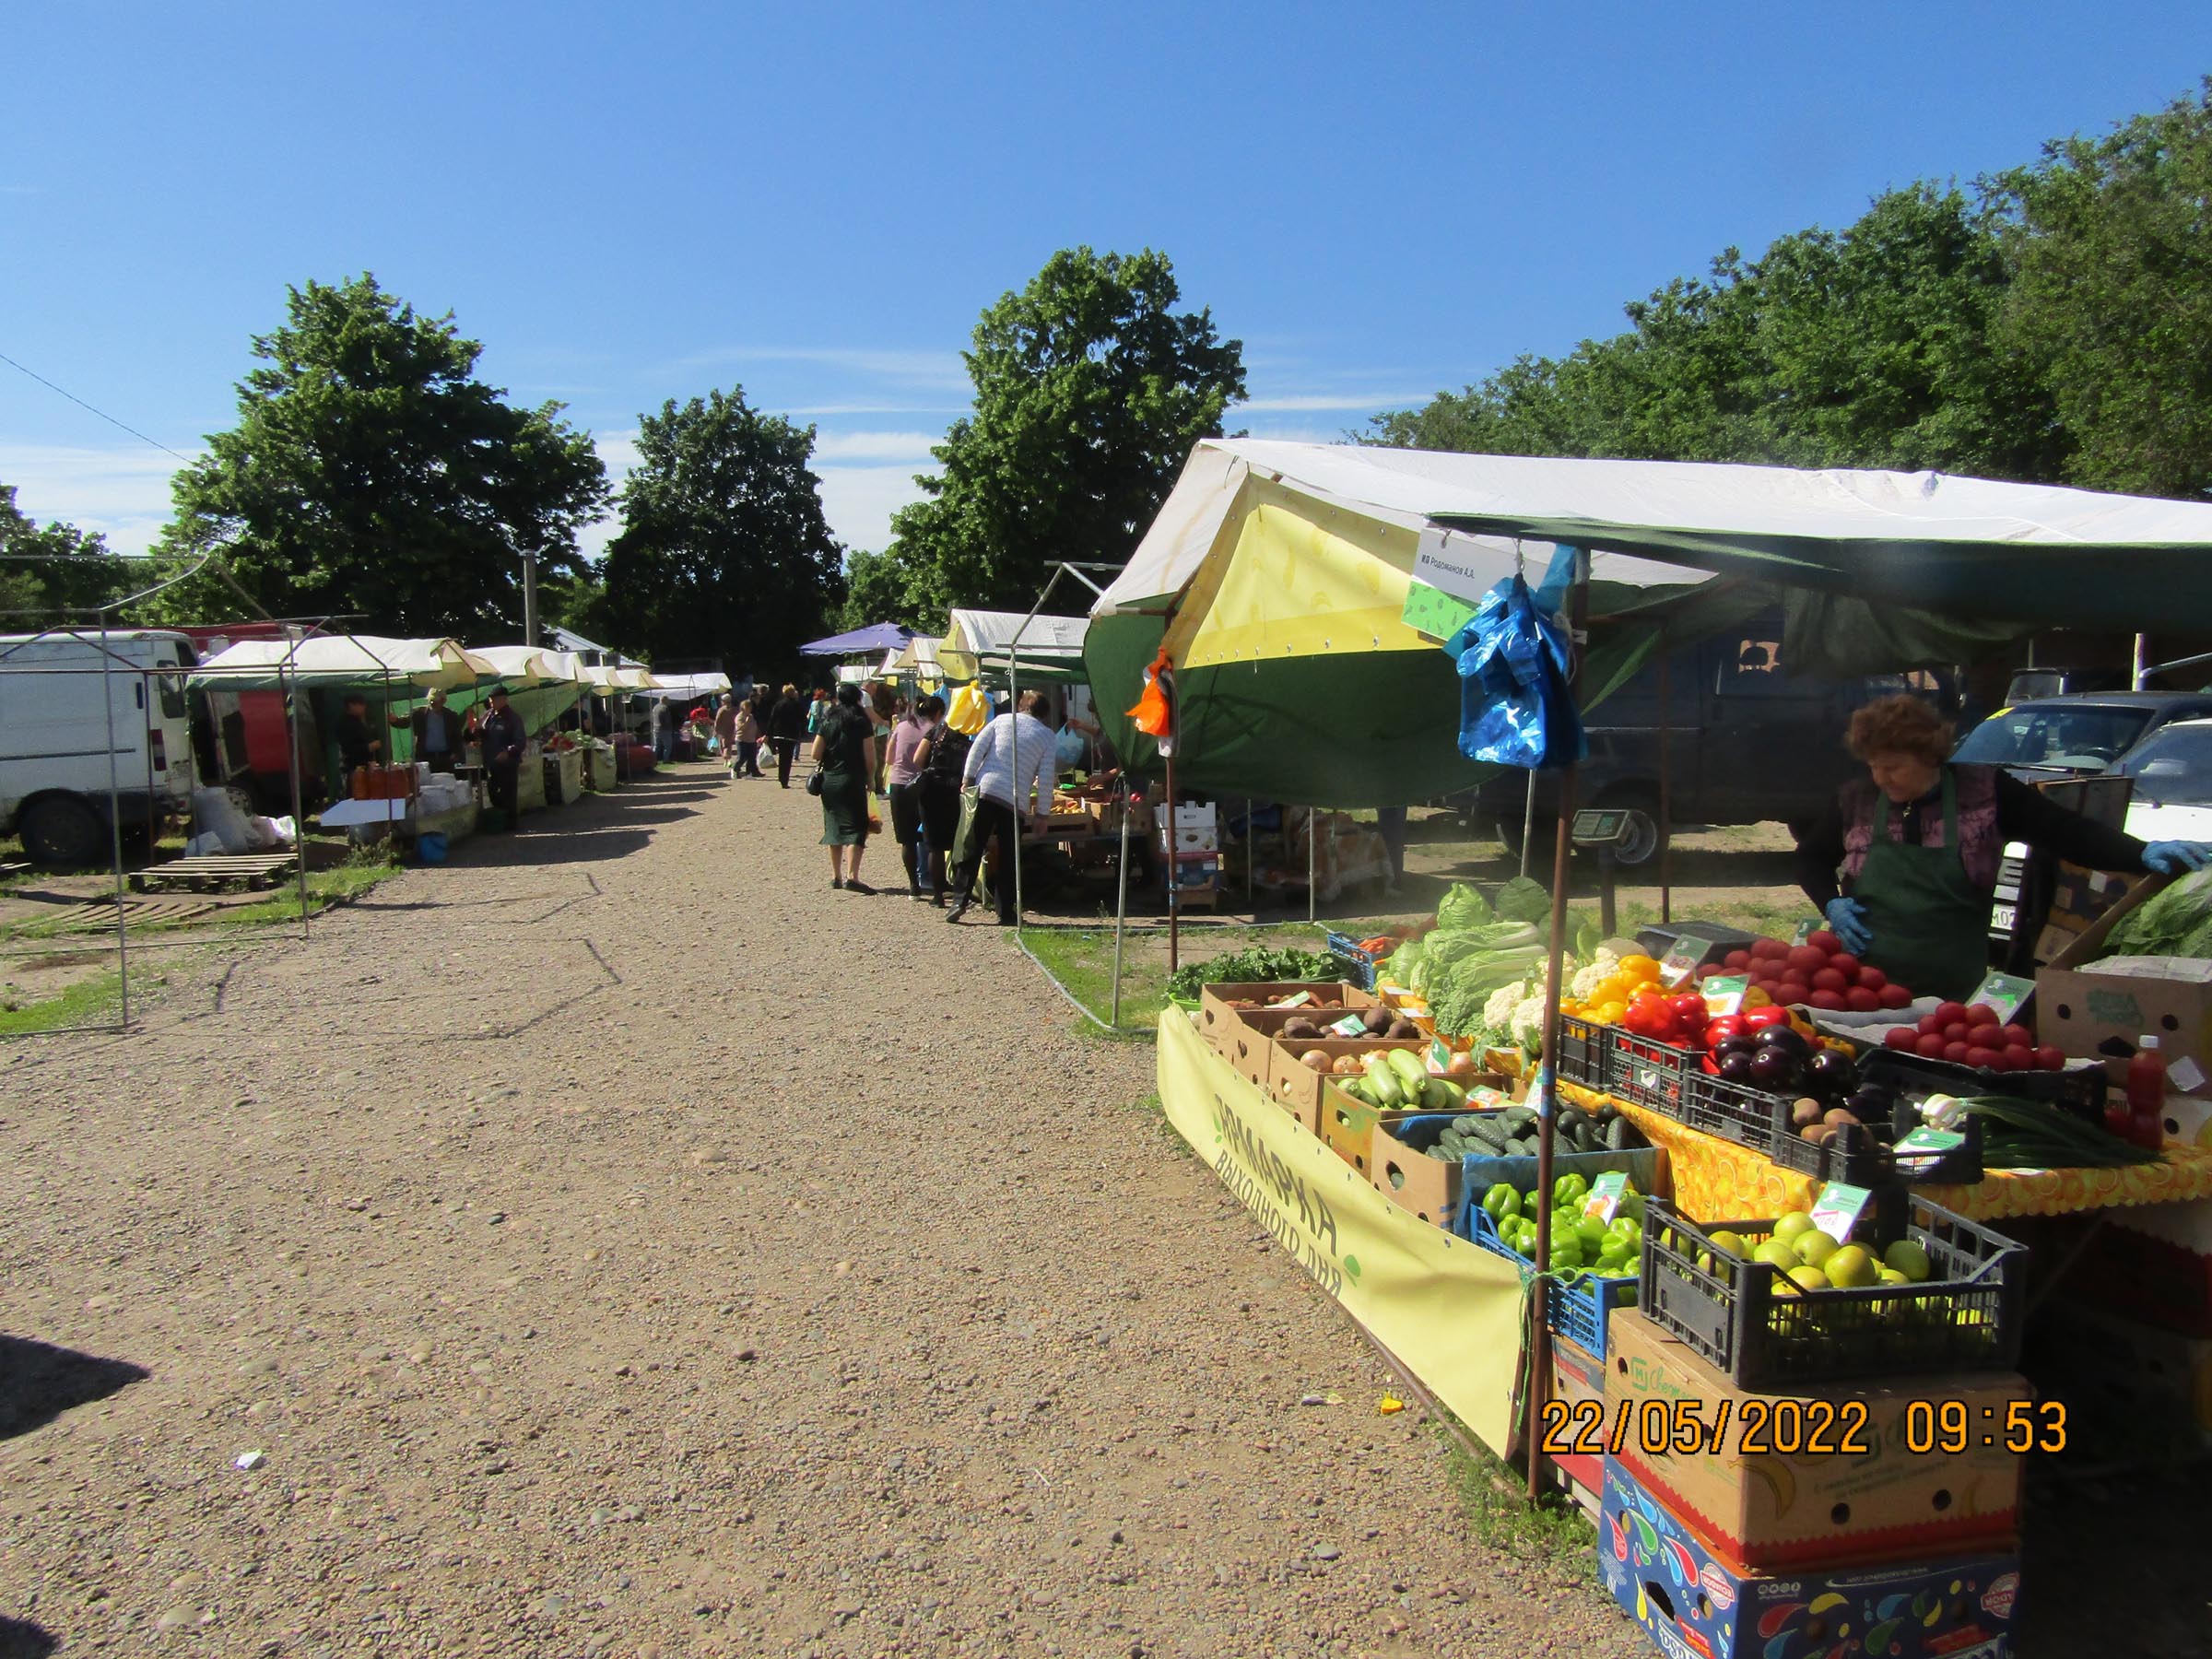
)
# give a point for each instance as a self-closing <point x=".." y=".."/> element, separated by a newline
<point x="530" y="600"/>
<point x="1539" y="1368"/>
<point x="1528" y="820"/>
<point x="1312" y="867"/>
<point x="2142" y="677"/>
<point x="1168" y="800"/>
<point x="1013" y="759"/>
<point x="1121" y="900"/>
<point x="289" y="688"/>
<point x="1667" y="821"/>
<point x="123" y="943"/>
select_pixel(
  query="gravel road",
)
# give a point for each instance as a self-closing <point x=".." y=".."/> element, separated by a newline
<point x="619" y="1242"/>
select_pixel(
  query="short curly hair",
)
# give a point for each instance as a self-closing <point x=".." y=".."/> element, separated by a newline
<point x="1899" y="726"/>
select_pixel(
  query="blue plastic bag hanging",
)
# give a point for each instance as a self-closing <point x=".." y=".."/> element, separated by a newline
<point x="1515" y="667"/>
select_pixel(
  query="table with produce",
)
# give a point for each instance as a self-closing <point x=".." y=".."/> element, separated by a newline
<point x="1777" y="1181"/>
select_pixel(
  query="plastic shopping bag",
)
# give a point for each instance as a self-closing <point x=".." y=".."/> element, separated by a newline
<point x="1514" y="666"/>
<point x="969" y="712"/>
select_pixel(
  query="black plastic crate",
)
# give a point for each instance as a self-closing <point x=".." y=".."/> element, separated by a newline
<point x="1968" y="1316"/>
<point x="1865" y="1155"/>
<point x="1649" y="1072"/>
<point x="1582" y="1053"/>
<point x="2081" y="1089"/>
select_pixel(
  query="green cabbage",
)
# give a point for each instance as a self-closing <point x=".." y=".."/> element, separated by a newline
<point x="2176" y="921"/>
<point x="1523" y="900"/>
<point x="1463" y="907"/>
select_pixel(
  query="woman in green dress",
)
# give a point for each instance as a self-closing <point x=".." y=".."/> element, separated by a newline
<point x="844" y="747"/>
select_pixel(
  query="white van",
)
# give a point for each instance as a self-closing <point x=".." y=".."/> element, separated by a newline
<point x="58" y="734"/>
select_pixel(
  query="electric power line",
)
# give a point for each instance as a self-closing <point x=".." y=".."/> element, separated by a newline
<point x="81" y="403"/>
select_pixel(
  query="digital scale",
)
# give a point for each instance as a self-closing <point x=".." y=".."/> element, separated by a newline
<point x="1601" y="829"/>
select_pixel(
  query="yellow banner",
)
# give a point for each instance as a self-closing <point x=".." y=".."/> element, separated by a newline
<point x="1450" y="1311"/>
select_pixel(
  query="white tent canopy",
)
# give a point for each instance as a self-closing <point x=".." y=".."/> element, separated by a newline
<point x="918" y="656"/>
<point x="520" y="665"/>
<point x="976" y="638"/>
<point x="680" y="685"/>
<point x="343" y="660"/>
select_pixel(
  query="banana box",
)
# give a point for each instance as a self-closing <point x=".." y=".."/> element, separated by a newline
<point x="1696" y="1605"/>
<point x="1858" y="1471"/>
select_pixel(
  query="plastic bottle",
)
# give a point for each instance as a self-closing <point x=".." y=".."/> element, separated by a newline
<point x="2147" y="1096"/>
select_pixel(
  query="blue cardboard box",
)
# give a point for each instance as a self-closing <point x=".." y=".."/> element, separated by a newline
<point x="1696" y="1606"/>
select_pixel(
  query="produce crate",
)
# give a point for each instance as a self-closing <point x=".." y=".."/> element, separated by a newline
<point x="1584" y="1053"/>
<point x="1966" y="1317"/>
<point x="1297" y="1086"/>
<point x="1405" y="1173"/>
<point x="1218" y="1004"/>
<point x="1647" y="1071"/>
<point x="2079" y="1089"/>
<point x="1358" y="965"/>
<point x="1759" y="1119"/>
<point x="1580" y="1308"/>
<point x="1348" y="1125"/>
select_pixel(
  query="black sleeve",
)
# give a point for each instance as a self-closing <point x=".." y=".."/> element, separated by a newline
<point x="2026" y="814"/>
<point x="1820" y="852"/>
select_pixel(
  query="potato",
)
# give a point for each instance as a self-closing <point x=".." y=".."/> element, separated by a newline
<point x="1806" y="1112"/>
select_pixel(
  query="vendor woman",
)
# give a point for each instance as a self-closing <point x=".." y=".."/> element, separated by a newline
<point x="1918" y="842"/>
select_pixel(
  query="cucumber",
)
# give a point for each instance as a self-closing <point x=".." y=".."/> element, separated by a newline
<point x="1617" y="1135"/>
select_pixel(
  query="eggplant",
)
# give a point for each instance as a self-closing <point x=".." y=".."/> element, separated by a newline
<point x="1736" y="1065"/>
<point x="1832" y="1071"/>
<point x="1786" y="1040"/>
<point x="1746" y="1045"/>
<point x="1775" y="1068"/>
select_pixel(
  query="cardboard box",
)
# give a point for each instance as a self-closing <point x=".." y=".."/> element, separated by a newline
<point x="1220" y="1006"/>
<point x="1406" y="1174"/>
<point x="1349" y="1124"/>
<point x="1296" y="1087"/>
<point x="1765" y="1510"/>
<point x="1188" y="838"/>
<point x="1696" y="1605"/>
<point x="1195" y="815"/>
<point x="2086" y="1010"/>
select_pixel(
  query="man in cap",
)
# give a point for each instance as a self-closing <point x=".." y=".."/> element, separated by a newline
<point x="358" y="744"/>
<point x="437" y="731"/>
<point x="503" y="739"/>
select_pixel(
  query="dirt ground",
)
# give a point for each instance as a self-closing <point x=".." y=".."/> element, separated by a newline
<point x="618" y="1242"/>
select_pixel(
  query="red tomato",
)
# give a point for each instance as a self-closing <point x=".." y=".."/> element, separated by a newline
<point x="1687" y="1005"/>
<point x="1951" y="1013"/>
<point x="1831" y="1001"/>
<point x="1902" y="1037"/>
<point x="2016" y="1037"/>
<point x="1930" y="1045"/>
<point x="1955" y="1052"/>
<point x="1859" y="1000"/>
<point x="1792" y="990"/>
<point x="1843" y="962"/>
<point x="1736" y="961"/>
<point x="1874" y="978"/>
<point x="1928" y="1025"/>
<point x="1769" y="950"/>
<point x="1958" y="1030"/>
<point x="2051" y="1057"/>
<point x="1895" y="997"/>
<point x="1982" y="1014"/>
<point x="1983" y="1059"/>
<point x="1825" y="941"/>
<point x="1806" y="960"/>
<point x="2009" y="1059"/>
<point x="1828" y="979"/>
<point x="1707" y="970"/>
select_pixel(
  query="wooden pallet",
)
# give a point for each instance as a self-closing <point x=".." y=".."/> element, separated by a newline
<point x="257" y="870"/>
<point x="136" y="912"/>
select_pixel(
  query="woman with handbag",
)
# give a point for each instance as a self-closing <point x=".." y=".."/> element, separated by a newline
<point x="943" y="755"/>
<point x="844" y="753"/>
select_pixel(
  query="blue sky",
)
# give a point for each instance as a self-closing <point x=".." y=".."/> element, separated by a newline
<point x="629" y="204"/>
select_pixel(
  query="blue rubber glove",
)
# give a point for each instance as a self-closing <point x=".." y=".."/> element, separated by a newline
<point x="1847" y="921"/>
<point x="2172" y="858"/>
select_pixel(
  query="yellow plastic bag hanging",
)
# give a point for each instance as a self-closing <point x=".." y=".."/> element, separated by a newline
<point x="969" y="713"/>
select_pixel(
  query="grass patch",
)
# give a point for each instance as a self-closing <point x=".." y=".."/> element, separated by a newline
<point x="1081" y="961"/>
<point x="87" y="1002"/>
<point x="362" y="870"/>
<point x="1493" y="1495"/>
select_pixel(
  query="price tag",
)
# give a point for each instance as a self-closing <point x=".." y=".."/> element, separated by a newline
<point x="1724" y="993"/>
<point x="1298" y="1001"/>
<point x="1836" y="1211"/>
<point x="2185" y="1075"/>
<point x="1439" y="1056"/>
<point x="1351" y="1024"/>
<point x="1682" y="961"/>
<point x="1932" y="1141"/>
<point x="2006" y="993"/>
<point x="1606" y="1194"/>
<point x="1482" y="1097"/>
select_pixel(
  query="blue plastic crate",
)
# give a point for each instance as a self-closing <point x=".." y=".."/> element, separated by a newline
<point x="1358" y="967"/>
<point x="1581" y="1312"/>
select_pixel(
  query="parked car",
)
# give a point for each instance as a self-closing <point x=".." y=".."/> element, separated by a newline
<point x="1746" y="742"/>
<point x="84" y="725"/>
<point x="2172" y="770"/>
<point x="2074" y="736"/>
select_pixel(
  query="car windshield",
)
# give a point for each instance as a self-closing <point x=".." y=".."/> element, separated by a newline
<point x="2072" y="736"/>
<point x="2172" y="768"/>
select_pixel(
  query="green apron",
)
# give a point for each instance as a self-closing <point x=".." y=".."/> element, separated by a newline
<point x="1928" y="923"/>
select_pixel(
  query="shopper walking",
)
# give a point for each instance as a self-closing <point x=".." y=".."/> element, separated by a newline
<point x="844" y="747"/>
<point x="750" y="730"/>
<point x="726" y="731"/>
<point x="943" y="754"/>
<point x="786" y="725"/>
<point x="902" y="772"/>
<point x="1011" y="768"/>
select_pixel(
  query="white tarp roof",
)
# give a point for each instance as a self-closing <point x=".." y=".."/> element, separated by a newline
<point x="976" y="639"/>
<point x="1663" y="505"/>
<point x="681" y="685"/>
<point x="524" y="666"/>
<point x="918" y="655"/>
<point x="362" y="660"/>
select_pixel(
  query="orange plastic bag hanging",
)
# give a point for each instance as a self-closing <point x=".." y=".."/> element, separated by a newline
<point x="1153" y="714"/>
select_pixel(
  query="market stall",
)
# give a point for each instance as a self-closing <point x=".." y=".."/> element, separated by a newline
<point x="1856" y="1271"/>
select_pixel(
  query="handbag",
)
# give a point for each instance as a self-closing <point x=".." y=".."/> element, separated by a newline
<point x="964" y="837"/>
<point x="814" y="781"/>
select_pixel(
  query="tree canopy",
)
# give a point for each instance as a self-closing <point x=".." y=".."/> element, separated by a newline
<point x="372" y="474"/>
<point x="50" y="575"/>
<point x="2044" y="324"/>
<point x="1091" y="388"/>
<point x="723" y="551"/>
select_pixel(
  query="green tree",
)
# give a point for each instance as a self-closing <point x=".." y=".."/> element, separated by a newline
<point x="372" y="475"/>
<point x="2111" y="297"/>
<point x="1091" y="388"/>
<point x="51" y="573"/>
<point x="723" y="550"/>
<point x="878" y="589"/>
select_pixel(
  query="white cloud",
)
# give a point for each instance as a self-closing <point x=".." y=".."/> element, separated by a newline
<point x="121" y="492"/>
<point x="859" y="501"/>
<point x="877" y="446"/>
